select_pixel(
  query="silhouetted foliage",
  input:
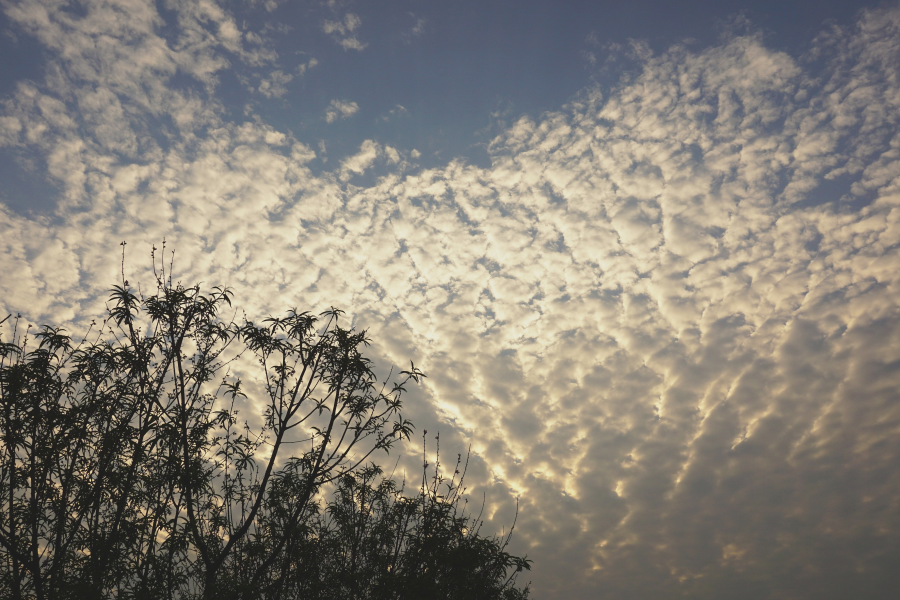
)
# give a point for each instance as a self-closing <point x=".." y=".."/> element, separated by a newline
<point x="375" y="542"/>
<point x="126" y="471"/>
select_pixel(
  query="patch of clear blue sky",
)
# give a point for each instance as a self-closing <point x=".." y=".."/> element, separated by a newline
<point x="478" y="58"/>
<point x="476" y="65"/>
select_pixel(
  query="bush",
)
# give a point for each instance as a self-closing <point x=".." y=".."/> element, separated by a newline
<point x="125" y="471"/>
<point x="375" y="542"/>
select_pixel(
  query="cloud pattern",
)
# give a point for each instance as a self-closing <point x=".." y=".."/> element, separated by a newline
<point x="667" y="317"/>
<point x="344" y="31"/>
<point x="340" y="109"/>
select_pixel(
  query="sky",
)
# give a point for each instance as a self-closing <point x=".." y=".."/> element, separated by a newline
<point x="647" y="253"/>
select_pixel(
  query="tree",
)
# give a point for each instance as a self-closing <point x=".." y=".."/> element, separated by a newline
<point x="378" y="543"/>
<point x="125" y="470"/>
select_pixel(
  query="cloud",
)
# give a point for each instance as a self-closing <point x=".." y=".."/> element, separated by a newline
<point x="110" y="77"/>
<point x="273" y="86"/>
<point x="340" y="109"/>
<point x="417" y="30"/>
<point x="343" y="32"/>
<point x="648" y="317"/>
<point x="302" y="68"/>
<point x="397" y="111"/>
<point x="362" y="160"/>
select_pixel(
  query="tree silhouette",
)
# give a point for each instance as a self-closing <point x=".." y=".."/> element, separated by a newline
<point x="127" y="472"/>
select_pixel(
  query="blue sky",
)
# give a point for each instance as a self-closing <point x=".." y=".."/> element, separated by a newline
<point x="459" y="70"/>
<point x="646" y="252"/>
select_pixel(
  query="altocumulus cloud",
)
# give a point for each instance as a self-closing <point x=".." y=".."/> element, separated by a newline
<point x="340" y="109"/>
<point x="343" y="31"/>
<point x="667" y="317"/>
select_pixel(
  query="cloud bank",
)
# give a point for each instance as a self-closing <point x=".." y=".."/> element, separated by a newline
<point x="667" y="317"/>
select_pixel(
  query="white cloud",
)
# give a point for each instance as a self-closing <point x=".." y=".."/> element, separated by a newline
<point x="274" y="86"/>
<point x="343" y="32"/>
<point x="340" y="109"/>
<point x="397" y="111"/>
<point x="9" y="130"/>
<point x="417" y="30"/>
<point x="363" y="160"/>
<point x="302" y="68"/>
<point x="643" y="315"/>
<point x="419" y="27"/>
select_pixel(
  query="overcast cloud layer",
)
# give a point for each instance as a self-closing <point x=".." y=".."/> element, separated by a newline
<point x="667" y="317"/>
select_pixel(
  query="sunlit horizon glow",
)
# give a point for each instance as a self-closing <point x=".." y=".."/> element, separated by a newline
<point x="664" y="313"/>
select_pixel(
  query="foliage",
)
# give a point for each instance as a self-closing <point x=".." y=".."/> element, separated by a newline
<point x="375" y="542"/>
<point x="125" y="471"/>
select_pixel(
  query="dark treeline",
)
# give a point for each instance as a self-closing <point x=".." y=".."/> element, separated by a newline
<point x="128" y="471"/>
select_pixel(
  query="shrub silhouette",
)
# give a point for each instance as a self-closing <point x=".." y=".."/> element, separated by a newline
<point x="127" y="472"/>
